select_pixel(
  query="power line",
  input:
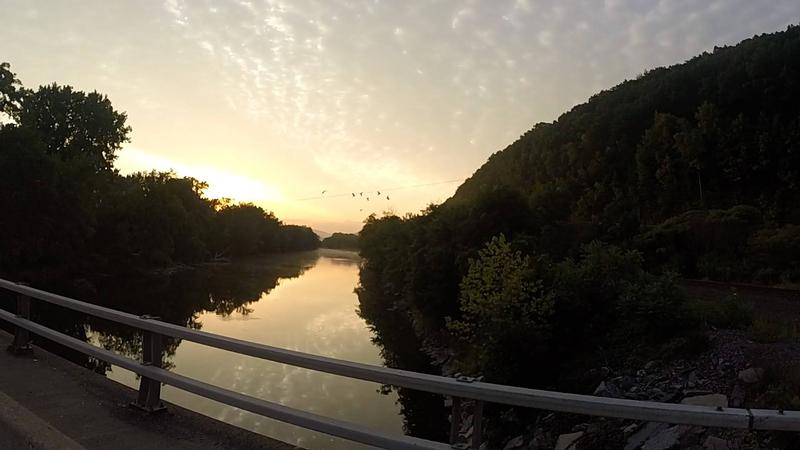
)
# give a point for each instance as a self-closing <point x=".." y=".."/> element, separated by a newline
<point x="360" y="194"/>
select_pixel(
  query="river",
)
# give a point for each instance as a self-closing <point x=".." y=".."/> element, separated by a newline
<point x="300" y="301"/>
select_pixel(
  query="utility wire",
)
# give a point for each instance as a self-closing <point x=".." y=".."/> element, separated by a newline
<point x="359" y="194"/>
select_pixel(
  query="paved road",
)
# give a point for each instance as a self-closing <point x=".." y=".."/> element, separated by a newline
<point x="11" y="438"/>
<point x="47" y="402"/>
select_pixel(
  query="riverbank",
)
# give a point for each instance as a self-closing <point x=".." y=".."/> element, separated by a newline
<point x="75" y="405"/>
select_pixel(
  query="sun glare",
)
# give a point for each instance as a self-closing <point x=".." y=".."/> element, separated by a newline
<point x="221" y="184"/>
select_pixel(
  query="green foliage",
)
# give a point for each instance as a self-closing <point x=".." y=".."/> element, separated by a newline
<point x="708" y="243"/>
<point x="609" y="294"/>
<point x="778" y="248"/>
<point x="726" y="311"/>
<point x="521" y="320"/>
<point x="502" y="303"/>
<point x="344" y="241"/>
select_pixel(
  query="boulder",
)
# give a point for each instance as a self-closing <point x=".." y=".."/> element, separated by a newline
<point x="644" y="433"/>
<point x="715" y="443"/>
<point x="751" y="375"/>
<point x="716" y="400"/>
<point x="517" y="442"/>
<point x="607" y="389"/>
<point x="567" y="441"/>
<point x="667" y="438"/>
<point x="737" y="396"/>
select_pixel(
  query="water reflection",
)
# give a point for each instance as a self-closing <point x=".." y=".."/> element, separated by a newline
<point x="302" y="301"/>
<point x="424" y="414"/>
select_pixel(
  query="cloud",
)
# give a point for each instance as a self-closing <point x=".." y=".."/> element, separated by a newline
<point x="311" y="93"/>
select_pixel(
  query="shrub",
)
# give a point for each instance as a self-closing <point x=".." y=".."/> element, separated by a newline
<point x="524" y="322"/>
<point x="503" y="304"/>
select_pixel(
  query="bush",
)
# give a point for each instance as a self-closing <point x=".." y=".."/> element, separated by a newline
<point x="778" y="249"/>
<point x="728" y="311"/>
<point x="503" y="304"/>
<point x="523" y="321"/>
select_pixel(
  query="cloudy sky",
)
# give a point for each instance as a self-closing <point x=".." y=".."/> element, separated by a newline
<point x="276" y="101"/>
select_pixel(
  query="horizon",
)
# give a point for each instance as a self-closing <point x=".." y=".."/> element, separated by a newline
<point x="297" y="108"/>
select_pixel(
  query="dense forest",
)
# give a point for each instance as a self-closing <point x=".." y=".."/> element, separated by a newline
<point x="343" y="241"/>
<point x="67" y="209"/>
<point x="565" y="248"/>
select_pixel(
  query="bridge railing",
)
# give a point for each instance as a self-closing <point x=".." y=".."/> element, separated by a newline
<point x="458" y="388"/>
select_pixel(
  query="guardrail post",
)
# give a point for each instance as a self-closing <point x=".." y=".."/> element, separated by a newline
<point x="152" y="355"/>
<point x="455" y="419"/>
<point x="477" y="425"/>
<point x="22" y="337"/>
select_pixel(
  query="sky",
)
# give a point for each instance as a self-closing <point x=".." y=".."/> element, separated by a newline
<point x="296" y="105"/>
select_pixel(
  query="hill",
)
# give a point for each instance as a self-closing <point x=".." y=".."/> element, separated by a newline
<point x="568" y="243"/>
<point x="343" y="241"/>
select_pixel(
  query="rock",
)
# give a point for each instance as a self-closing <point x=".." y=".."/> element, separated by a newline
<point x="468" y="434"/>
<point x="580" y="427"/>
<point x="514" y="443"/>
<point x="645" y="433"/>
<point x="630" y="428"/>
<point x="567" y="441"/>
<point x="751" y="375"/>
<point x="626" y="383"/>
<point x="737" y="396"/>
<point x="696" y="392"/>
<point x="717" y="400"/>
<point x="666" y="439"/>
<point x="692" y="380"/>
<point x="715" y="443"/>
<point x="607" y="389"/>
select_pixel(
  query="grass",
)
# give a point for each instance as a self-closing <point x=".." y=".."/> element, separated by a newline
<point x="772" y="331"/>
<point x="727" y="311"/>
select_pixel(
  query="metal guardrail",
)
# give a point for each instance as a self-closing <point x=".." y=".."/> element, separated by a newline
<point x="153" y="375"/>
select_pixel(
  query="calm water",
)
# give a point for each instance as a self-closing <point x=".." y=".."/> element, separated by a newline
<point x="302" y="301"/>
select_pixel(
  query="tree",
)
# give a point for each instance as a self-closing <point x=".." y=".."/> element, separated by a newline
<point x="74" y="124"/>
<point x="10" y="93"/>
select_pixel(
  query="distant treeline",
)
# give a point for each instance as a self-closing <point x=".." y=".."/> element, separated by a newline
<point x="343" y="241"/>
<point x="65" y="207"/>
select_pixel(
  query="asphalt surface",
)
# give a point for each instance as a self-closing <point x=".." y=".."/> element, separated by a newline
<point x="47" y="402"/>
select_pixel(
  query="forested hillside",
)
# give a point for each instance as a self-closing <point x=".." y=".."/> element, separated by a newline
<point x="571" y="239"/>
<point x="66" y="209"/>
<point x="343" y="241"/>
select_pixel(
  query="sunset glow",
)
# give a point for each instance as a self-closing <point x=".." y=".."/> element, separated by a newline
<point x="276" y="101"/>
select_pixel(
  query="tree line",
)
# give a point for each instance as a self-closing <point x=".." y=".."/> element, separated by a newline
<point x="66" y="208"/>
